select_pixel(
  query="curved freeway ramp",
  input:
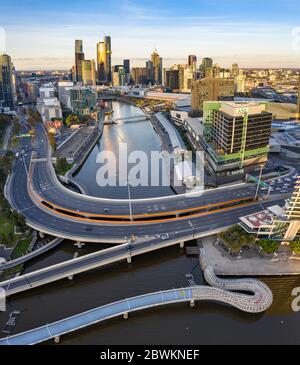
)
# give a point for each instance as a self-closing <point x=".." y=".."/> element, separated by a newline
<point x="259" y="301"/>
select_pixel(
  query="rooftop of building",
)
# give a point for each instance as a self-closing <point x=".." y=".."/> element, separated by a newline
<point x="239" y="109"/>
<point x="196" y="125"/>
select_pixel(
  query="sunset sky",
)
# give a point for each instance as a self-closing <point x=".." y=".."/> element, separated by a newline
<point x="41" y="34"/>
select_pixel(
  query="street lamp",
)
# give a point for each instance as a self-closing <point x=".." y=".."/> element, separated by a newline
<point x="259" y="181"/>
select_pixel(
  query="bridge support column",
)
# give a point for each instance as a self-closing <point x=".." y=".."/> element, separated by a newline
<point x="41" y="234"/>
<point x="57" y="339"/>
<point x="182" y="244"/>
<point x="192" y="303"/>
<point x="71" y="277"/>
<point x="129" y="260"/>
<point x="125" y="315"/>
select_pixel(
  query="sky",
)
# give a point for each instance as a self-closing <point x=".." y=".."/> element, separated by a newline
<point x="254" y="33"/>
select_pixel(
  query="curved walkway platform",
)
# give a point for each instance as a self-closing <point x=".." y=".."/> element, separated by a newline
<point x="259" y="301"/>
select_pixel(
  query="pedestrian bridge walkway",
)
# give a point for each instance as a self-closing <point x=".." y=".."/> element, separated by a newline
<point x="125" y="119"/>
<point x="259" y="301"/>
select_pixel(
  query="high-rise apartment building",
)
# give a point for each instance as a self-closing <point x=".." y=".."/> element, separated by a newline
<point x="157" y="68"/>
<point x="108" y="52"/>
<point x="192" y="63"/>
<point x="79" y="57"/>
<point x="150" y="72"/>
<point x="101" y="60"/>
<point x="139" y="75"/>
<point x="6" y="82"/>
<point x="172" y="79"/>
<point x="207" y="63"/>
<point x="235" y="70"/>
<point x="126" y="64"/>
<point x="104" y="66"/>
<point x="118" y="76"/>
<point x="88" y="73"/>
<point x="211" y="89"/>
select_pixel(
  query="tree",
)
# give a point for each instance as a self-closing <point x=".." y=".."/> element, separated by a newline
<point x="62" y="166"/>
<point x="236" y="238"/>
<point x="295" y="246"/>
<point x="268" y="246"/>
<point x="72" y="119"/>
<point x="52" y="141"/>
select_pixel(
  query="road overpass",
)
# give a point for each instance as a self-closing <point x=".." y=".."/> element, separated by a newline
<point x="34" y="191"/>
<point x="230" y="292"/>
<point x="126" y="251"/>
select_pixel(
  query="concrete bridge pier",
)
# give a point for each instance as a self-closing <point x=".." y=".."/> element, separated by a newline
<point x="182" y="244"/>
<point x="41" y="234"/>
<point x="129" y="260"/>
<point x="192" y="303"/>
<point x="57" y="339"/>
<point x="125" y="315"/>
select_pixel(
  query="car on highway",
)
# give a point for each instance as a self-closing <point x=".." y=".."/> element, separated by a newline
<point x="165" y="237"/>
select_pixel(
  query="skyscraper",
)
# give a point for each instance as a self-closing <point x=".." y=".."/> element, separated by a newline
<point x="79" y="57"/>
<point x="108" y="51"/>
<point x="207" y="64"/>
<point x="88" y="73"/>
<point x="150" y="71"/>
<point x="172" y="79"/>
<point x="126" y="64"/>
<point x="235" y="70"/>
<point x="6" y="82"/>
<point x="101" y="61"/>
<point x="158" y="67"/>
<point x="192" y="62"/>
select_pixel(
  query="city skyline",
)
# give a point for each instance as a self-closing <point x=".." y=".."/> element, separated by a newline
<point x="237" y="32"/>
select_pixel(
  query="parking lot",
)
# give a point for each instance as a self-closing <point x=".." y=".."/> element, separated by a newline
<point x="282" y="185"/>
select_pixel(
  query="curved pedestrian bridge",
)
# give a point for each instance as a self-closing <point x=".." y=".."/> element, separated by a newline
<point x="224" y="291"/>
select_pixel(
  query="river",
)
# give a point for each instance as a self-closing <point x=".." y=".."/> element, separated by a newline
<point x="207" y="323"/>
<point x="139" y="136"/>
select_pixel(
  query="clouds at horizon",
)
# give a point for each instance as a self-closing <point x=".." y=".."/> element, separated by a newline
<point x="41" y="35"/>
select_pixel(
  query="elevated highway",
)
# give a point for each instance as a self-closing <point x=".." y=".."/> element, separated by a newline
<point x="125" y="251"/>
<point x="231" y="292"/>
<point x="34" y="191"/>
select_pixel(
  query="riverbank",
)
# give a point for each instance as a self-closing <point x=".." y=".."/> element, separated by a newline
<point x="213" y="255"/>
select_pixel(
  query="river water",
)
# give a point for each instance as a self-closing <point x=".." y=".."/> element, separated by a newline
<point x="138" y="136"/>
<point x="207" y="323"/>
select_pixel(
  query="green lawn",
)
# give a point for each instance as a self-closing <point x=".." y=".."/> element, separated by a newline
<point x="6" y="226"/>
<point x="21" y="247"/>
